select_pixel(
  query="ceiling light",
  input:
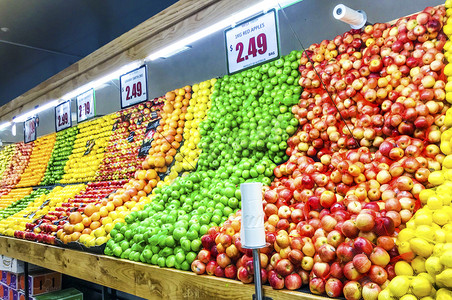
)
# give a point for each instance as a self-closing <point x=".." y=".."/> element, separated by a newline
<point x="96" y="83"/>
<point x="25" y="116"/>
<point x="4" y="29"/>
<point x="4" y="125"/>
<point x="182" y="44"/>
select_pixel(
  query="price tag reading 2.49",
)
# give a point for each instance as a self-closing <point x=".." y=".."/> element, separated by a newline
<point x="86" y="107"/>
<point x="133" y="87"/>
<point x="252" y="42"/>
<point x="63" y="116"/>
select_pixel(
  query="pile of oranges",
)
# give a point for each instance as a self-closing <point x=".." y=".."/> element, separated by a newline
<point x="37" y="164"/>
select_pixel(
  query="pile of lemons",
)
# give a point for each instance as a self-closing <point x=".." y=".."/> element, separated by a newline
<point x="200" y="103"/>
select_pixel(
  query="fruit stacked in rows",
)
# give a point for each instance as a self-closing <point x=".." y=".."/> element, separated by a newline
<point x="41" y="218"/>
<point x="168" y="231"/>
<point x="5" y="157"/>
<point x="200" y="103"/>
<point x="85" y="213"/>
<point x="37" y="165"/>
<point x="13" y="196"/>
<point x="21" y="204"/>
<point x="16" y="223"/>
<point x="168" y="135"/>
<point x="60" y="154"/>
<point x="165" y="144"/>
<point x="121" y="154"/>
<point x="88" y="150"/>
<point x="334" y="221"/>
<point x="19" y="162"/>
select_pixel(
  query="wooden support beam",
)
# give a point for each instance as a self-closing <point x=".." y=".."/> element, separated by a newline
<point x="143" y="280"/>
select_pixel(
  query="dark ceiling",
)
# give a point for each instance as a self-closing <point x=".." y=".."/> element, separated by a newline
<point x="69" y="30"/>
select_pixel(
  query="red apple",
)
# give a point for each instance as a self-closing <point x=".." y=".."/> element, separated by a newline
<point x="244" y="276"/>
<point x="293" y="281"/>
<point x="333" y="287"/>
<point x="276" y="281"/>
<point x="352" y="290"/>
<point x="370" y="291"/>
<point x="317" y="286"/>
<point x="379" y="257"/>
<point x="378" y="274"/>
<point x="350" y="272"/>
<point x="284" y="267"/>
<point x="362" y="245"/>
<point x="361" y="263"/>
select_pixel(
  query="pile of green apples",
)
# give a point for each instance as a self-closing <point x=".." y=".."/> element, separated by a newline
<point x="60" y="154"/>
<point x="242" y="139"/>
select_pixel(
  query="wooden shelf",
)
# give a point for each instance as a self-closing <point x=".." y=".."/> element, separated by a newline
<point x="138" y="279"/>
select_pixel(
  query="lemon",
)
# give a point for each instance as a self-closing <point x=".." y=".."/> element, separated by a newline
<point x="440" y="217"/>
<point x="446" y="259"/>
<point x="424" y="231"/>
<point x="399" y="286"/>
<point x="436" y="178"/>
<point x="433" y="265"/>
<point x="444" y="278"/>
<point x="385" y="295"/>
<point x="444" y="294"/>
<point x="420" y="286"/>
<point x="421" y="247"/>
<point x="418" y="265"/>
<point x="406" y="234"/>
<point x="448" y="67"/>
<point x="403" y="268"/>
<point x="425" y="194"/>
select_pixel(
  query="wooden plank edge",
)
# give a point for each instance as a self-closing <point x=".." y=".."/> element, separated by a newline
<point x="143" y="280"/>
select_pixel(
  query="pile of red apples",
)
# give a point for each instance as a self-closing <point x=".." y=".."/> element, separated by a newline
<point x="370" y="120"/>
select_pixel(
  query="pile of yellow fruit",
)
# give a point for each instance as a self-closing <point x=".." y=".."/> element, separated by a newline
<point x="37" y="164"/>
<point x="188" y="155"/>
<point x="39" y="208"/>
<point x="5" y="157"/>
<point x="13" y="196"/>
<point x="88" y="151"/>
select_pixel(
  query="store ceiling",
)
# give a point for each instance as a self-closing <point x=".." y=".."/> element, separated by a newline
<point x="39" y="38"/>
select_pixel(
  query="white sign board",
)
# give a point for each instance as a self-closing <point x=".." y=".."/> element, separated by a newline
<point x="86" y="106"/>
<point x="30" y="130"/>
<point x="252" y="42"/>
<point x="134" y="87"/>
<point x="63" y="116"/>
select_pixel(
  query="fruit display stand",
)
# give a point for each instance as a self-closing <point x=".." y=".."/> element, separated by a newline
<point x="347" y="171"/>
<point x="142" y="280"/>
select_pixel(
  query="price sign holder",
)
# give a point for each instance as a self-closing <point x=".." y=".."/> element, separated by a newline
<point x="133" y="87"/>
<point x="63" y="118"/>
<point x="86" y="106"/>
<point x="252" y="42"/>
<point x="30" y="130"/>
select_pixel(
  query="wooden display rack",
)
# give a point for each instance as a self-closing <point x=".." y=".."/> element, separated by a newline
<point x="142" y="280"/>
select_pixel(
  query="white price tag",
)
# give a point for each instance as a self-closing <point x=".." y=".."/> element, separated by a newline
<point x="134" y="87"/>
<point x="86" y="106"/>
<point x="30" y="130"/>
<point x="252" y="42"/>
<point x="63" y="116"/>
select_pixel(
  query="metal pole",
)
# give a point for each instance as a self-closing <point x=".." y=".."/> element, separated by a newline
<point x="257" y="274"/>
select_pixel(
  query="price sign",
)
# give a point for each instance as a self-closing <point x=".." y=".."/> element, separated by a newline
<point x="30" y="130"/>
<point x="86" y="106"/>
<point x="63" y="116"/>
<point x="134" y="87"/>
<point x="252" y="42"/>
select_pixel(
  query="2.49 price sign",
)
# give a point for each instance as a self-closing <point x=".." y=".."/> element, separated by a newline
<point x="86" y="106"/>
<point x="63" y="116"/>
<point x="252" y="42"/>
<point x="134" y="87"/>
